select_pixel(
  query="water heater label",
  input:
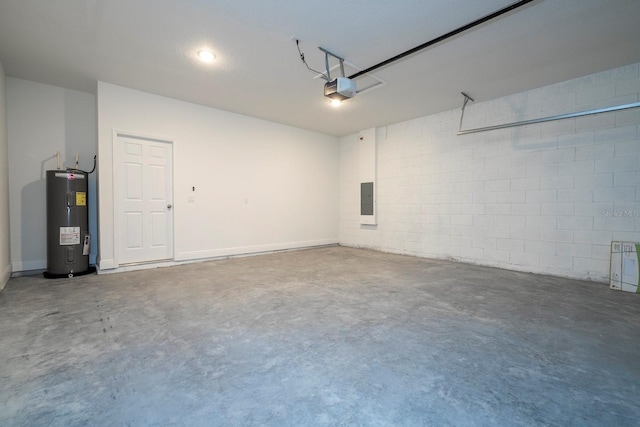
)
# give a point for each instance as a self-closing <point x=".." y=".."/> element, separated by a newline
<point x="81" y="198"/>
<point x="69" y="236"/>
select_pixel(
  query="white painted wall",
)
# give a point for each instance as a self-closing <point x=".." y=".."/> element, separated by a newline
<point x="260" y="186"/>
<point x="545" y="198"/>
<point x="42" y="119"/>
<point x="5" y="254"/>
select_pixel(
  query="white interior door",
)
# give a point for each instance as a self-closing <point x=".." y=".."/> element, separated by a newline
<point x="145" y="198"/>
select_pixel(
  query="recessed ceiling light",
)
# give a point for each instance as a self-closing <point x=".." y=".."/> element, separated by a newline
<point x="206" y="56"/>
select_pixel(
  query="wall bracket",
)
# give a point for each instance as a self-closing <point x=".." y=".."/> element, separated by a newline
<point x="467" y="98"/>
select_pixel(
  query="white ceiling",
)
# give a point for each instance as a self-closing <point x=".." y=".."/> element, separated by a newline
<point x="150" y="45"/>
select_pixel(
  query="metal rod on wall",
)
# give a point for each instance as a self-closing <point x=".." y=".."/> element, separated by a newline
<point x="551" y="118"/>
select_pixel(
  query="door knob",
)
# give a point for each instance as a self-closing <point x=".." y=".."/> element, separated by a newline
<point x="169" y="206"/>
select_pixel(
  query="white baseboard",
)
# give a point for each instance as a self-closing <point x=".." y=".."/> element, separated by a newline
<point x="105" y="264"/>
<point x="28" y="265"/>
<point x="217" y="253"/>
<point x="201" y="256"/>
<point x="5" y="275"/>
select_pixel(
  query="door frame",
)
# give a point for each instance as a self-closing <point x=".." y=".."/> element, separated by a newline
<point x="117" y="155"/>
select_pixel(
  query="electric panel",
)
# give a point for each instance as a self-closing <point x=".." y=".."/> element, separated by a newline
<point x="366" y="198"/>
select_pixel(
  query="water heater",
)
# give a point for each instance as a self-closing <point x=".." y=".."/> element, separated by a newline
<point x="68" y="238"/>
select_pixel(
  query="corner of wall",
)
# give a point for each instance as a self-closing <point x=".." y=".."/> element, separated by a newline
<point x="40" y="119"/>
<point x="5" y="258"/>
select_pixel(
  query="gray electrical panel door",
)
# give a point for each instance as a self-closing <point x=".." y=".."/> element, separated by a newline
<point x="366" y="198"/>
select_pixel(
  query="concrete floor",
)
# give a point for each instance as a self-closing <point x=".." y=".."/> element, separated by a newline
<point x="331" y="336"/>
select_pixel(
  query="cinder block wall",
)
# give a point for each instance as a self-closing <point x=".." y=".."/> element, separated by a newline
<point x="546" y="198"/>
